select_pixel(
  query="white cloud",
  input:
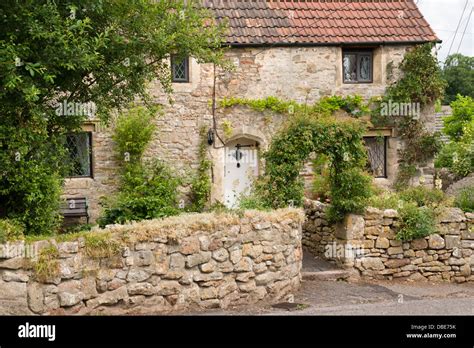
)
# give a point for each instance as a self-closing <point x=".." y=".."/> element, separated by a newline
<point x="443" y="16"/>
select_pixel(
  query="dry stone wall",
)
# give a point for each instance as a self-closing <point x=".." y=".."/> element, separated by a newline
<point x="194" y="261"/>
<point x="368" y="245"/>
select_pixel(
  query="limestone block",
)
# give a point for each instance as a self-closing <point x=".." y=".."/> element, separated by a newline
<point x="373" y="263"/>
<point x="452" y="241"/>
<point x="351" y="228"/>
<point x="435" y="241"/>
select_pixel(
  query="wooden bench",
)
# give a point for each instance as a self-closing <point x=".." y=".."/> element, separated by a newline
<point x="75" y="207"/>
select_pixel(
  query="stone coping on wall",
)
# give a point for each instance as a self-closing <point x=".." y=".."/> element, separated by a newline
<point x="191" y="261"/>
<point x="367" y="244"/>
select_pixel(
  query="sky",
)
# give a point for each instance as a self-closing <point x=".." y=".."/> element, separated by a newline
<point x="444" y="16"/>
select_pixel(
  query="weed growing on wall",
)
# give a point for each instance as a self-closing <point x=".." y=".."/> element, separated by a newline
<point x="101" y="245"/>
<point x="10" y="230"/>
<point x="46" y="267"/>
<point x="415" y="222"/>
<point x="423" y="196"/>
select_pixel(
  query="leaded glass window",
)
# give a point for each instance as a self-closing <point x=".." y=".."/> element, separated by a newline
<point x="377" y="153"/>
<point x="357" y="66"/>
<point x="350" y="68"/>
<point x="180" y="69"/>
<point x="79" y="146"/>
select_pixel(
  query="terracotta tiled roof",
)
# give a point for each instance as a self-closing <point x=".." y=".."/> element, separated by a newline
<point x="262" y="22"/>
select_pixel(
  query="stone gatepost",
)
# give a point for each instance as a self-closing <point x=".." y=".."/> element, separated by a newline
<point x="350" y="239"/>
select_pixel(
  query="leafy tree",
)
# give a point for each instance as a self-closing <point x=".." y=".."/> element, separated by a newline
<point x="463" y="113"/>
<point x="79" y="51"/>
<point x="459" y="73"/>
<point x="458" y="154"/>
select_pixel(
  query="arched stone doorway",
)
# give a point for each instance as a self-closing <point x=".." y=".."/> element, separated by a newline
<point x="235" y="166"/>
<point x="241" y="167"/>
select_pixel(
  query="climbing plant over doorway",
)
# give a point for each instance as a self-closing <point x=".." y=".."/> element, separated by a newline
<point x="340" y="140"/>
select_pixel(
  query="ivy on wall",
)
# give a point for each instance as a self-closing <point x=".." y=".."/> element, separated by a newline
<point x="326" y="106"/>
<point x="201" y="184"/>
<point x="421" y="83"/>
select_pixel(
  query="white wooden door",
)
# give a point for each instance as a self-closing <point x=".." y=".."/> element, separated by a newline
<point x="240" y="170"/>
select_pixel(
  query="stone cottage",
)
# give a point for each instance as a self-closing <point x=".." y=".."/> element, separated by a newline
<point x="293" y="50"/>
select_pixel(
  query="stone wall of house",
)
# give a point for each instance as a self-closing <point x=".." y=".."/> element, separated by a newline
<point x="105" y="172"/>
<point x="189" y="262"/>
<point x="304" y="74"/>
<point x="367" y="244"/>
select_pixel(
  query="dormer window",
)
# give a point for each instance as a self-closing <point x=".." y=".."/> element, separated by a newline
<point x="179" y="69"/>
<point x="357" y="66"/>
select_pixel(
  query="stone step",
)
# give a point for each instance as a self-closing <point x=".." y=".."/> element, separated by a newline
<point x="332" y="275"/>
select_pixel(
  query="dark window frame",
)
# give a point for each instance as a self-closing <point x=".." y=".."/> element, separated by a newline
<point x="178" y="60"/>
<point x="385" y="148"/>
<point x="91" y="158"/>
<point x="359" y="53"/>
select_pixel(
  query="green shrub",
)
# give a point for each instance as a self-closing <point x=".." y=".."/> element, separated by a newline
<point x="147" y="191"/>
<point x="252" y="202"/>
<point x="385" y="200"/>
<point x="463" y="114"/>
<point x="458" y="156"/>
<point x="321" y="187"/>
<point x="415" y="222"/>
<point x="465" y="199"/>
<point x="350" y="192"/>
<point x="76" y="228"/>
<point x="420" y="82"/>
<point x="33" y="199"/>
<point x="133" y="132"/>
<point x="10" y="230"/>
<point x="321" y="183"/>
<point x="423" y="196"/>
